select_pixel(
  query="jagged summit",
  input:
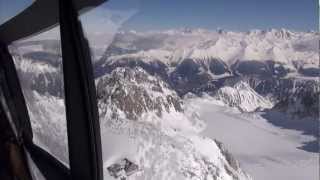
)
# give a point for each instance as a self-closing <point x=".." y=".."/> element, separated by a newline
<point x="135" y="92"/>
<point x="170" y="46"/>
<point x="136" y="104"/>
<point x="243" y="97"/>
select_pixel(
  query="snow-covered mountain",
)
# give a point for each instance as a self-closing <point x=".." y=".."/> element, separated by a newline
<point x="243" y="97"/>
<point x="133" y="92"/>
<point x="41" y="71"/>
<point x="171" y="47"/>
<point x="148" y="132"/>
<point x="302" y="100"/>
<point x="48" y="120"/>
<point x="296" y="96"/>
<point x="139" y="106"/>
<point x="197" y="60"/>
<point x="40" y="74"/>
<point x="166" y="141"/>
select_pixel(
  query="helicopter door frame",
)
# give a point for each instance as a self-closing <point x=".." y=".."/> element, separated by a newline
<point x="50" y="167"/>
<point x="83" y="128"/>
<point x="80" y="98"/>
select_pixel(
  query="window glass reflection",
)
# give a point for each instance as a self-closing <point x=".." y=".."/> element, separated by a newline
<point x="39" y="64"/>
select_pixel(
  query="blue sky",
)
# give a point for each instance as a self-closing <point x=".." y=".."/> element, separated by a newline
<point x="227" y="14"/>
<point x="240" y="15"/>
<point x="9" y="8"/>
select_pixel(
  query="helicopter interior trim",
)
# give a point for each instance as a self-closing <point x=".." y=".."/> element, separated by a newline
<point x="84" y="141"/>
<point x="41" y="15"/>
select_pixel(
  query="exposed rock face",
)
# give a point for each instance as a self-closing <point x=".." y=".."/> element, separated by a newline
<point x="312" y="72"/>
<point x="167" y="148"/>
<point x="193" y="60"/>
<point x="123" y="169"/>
<point x="41" y="78"/>
<point x="155" y="67"/>
<point x="41" y="71"/>
<point x="297" y="97"/>
<point x="261" y="69"/>
<point x="141" y="76"/>
<point x="243" y="97"/>
<point x="190" y="75"/>
<point x="136" y="102"/>
<point x="302" y="101"/>
<point x="134" y="92"/>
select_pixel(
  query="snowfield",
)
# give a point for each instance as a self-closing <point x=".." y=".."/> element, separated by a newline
<point x="264" y="150"/>
<point x="143" y="121"/>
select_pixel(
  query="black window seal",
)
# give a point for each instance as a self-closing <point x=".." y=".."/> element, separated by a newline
<point x="41" y="16"/>
<point x="50" y="167"/>
<point x="84" y="139"/>
<point x="89" y="154"/>
<point x="14" y="96"/>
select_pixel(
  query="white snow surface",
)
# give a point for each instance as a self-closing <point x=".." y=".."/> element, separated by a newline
<point x="48" y="121"/>
<point x="264" y="151"/>
<point x="166" y="146"/>
<point x="171" y="146"/>
<point x="26" y="65"/>
<point x="163" y="154"/>
<point x="280" y="45"/>
<point x="243" y="97"/>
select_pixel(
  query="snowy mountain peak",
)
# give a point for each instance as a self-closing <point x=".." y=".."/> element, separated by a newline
<point x="133" y="103"/>
<point x="281" y="33"/>
<point x="133" y="92"/>
<point x="243" y="97"/>
<point x="172" y="46"/>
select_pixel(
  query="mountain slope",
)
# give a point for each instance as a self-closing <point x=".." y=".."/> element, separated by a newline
<point x="243" y="97"/>
<point x="193" y="60"/>
<point x="163" y="139"/>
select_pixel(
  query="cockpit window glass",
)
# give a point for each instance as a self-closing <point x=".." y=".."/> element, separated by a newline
<point x="39" y="65"/>
<point x="11" y="8"/>
<point x="101" y="26"/>
<point x="174" y="78"/>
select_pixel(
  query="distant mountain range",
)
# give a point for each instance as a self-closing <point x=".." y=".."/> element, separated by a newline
<point x="198" y="61"/>
<point x="143" y="78"/>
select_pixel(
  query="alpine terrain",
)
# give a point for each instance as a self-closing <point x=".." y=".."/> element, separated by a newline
<point x="189" y="103"/>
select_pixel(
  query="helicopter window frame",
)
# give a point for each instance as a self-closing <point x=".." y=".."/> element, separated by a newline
<point x="90" y="165"/>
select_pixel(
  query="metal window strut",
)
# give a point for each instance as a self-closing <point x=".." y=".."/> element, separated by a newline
<point x="83" y="127"/>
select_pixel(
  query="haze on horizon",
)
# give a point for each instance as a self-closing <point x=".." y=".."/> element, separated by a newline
<point x="242" y="15"/>
<point x="146" y="15"/>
